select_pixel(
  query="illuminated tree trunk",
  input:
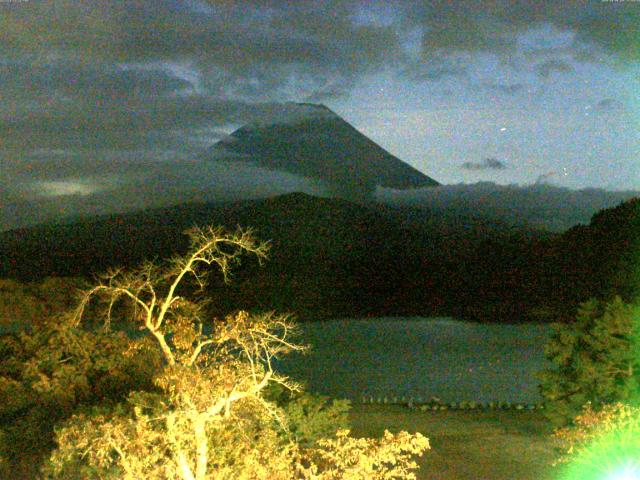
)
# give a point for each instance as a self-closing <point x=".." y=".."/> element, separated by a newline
<point x="202" y="447"/>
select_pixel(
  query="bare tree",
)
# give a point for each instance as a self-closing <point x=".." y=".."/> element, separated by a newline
<point x="210" y="365"/>
<point x="210" y="417"/>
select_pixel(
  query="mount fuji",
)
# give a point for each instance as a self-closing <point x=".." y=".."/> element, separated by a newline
<point x="312" y="141"/>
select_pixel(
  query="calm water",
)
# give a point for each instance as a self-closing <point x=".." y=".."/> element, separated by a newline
<point x="421" y="357"/>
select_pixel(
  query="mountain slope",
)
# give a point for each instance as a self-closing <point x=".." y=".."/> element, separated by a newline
<point x="335" y="258"/>
<point x="329" y="257"/>
<point x="312" y="141"/>
<point x="601" y="259"/>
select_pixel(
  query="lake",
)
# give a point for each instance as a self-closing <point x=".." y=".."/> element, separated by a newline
<point x="421" y="357"/>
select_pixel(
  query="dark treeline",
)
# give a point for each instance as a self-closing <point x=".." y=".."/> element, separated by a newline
<point x="333" y="258"/>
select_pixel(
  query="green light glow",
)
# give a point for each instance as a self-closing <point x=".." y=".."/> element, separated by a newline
<point x="614" y="458"/>
<point x="626" y="472"/>
<point x="613" y="454"/>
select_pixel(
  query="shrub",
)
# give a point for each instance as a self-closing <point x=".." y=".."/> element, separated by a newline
<point x="310" y="417"/>
<point x="28" y="304"/>
<point x="346" y="458"/>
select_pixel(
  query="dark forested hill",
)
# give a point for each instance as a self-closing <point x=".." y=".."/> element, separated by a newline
<point x="331" y="257"/>
<point x="601" y="259"/>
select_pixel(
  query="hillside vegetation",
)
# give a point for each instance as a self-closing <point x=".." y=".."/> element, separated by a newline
<point x="335" y="258"/>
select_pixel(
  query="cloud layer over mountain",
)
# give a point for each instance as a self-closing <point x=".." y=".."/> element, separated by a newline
<point x="541" y="205"/>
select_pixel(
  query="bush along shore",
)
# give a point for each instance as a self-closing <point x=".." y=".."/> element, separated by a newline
<point x="435" y="403"/>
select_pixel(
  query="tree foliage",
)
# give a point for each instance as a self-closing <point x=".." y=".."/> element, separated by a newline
<point x="50" y="370"/>
<point x="312" y="417"/>
<point x="346" y="458"/>
<point x="595" y="359"/>
<point x="27" y="304"/>
<point x="188" y="396"/>
<point x="601" y="444"/>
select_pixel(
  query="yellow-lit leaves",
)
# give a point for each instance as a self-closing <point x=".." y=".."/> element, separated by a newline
<point x="347" y="458"/>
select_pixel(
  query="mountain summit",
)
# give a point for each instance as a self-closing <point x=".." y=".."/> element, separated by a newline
<point x="312" y="141"/>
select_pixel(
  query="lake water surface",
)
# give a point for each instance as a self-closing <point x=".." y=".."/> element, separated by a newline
<point x="421" y="357"/>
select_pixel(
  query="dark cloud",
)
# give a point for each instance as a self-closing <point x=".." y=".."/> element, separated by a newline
<point x="612" y="26"/>
<point x="608" y="105"/>
<point x="437" y="68"/>
<point x="90" y="124"/>
<point x="94" y="81"/>
<point x="505" y="88"/>
<point x="62" y="51"/>
<point x="546" y="68"/>
<point x="45" y="201"/>
<point x="493" y="26"/>
<point x="486" y="164"/>
<point x="247" y="41"/>
<point x="46" y="165"/>
<point x="449" y="31"/>
<point x="331" y="91"/>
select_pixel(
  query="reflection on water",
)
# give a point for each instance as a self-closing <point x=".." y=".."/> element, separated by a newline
<point x="421" y="357"/>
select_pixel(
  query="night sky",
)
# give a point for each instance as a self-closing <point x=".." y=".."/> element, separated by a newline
<point x="109" y="102"/>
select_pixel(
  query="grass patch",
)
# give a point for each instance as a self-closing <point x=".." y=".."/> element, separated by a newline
<point x="469" y="445"/>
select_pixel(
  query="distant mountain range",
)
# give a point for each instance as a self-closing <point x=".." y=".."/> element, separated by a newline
<point x="312" y="141"/>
